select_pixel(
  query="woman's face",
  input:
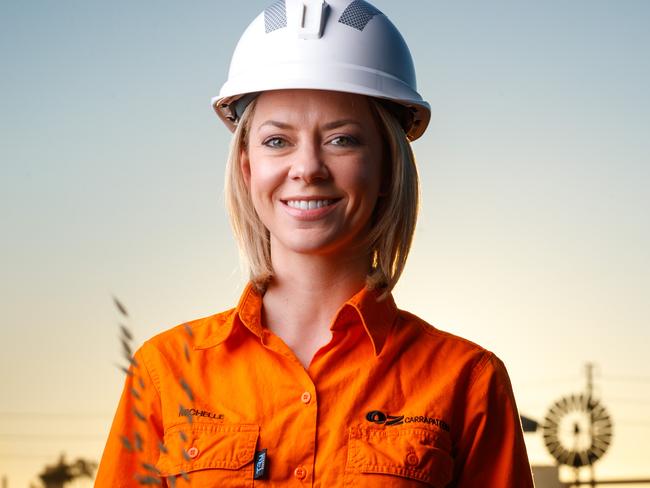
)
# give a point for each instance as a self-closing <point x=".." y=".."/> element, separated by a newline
<point x="313" y="168"/>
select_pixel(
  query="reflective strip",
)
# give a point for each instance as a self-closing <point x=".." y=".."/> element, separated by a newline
<point x="358" y="14"/>
<point x="275" y="16"/>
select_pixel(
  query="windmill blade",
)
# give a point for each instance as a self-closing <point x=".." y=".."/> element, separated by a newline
<point x="528" y="424"/>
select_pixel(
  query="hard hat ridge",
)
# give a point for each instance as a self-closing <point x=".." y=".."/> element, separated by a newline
<point x="357" y="14"/>
<point x="338" y="45"/>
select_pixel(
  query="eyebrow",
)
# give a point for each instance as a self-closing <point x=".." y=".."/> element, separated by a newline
<point x="330" y="125"/>
<point x="340" y="123"/>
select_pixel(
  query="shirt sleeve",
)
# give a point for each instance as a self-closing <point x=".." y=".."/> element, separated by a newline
<point x="491" y="450"/>
<point x="134" y="441"/>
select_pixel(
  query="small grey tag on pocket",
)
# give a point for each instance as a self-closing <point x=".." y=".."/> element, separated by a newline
<point x="260" y="464"/>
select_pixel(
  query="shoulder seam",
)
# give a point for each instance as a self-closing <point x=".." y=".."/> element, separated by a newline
<point x="435" y="332"/>
<point x="479" y="368"/>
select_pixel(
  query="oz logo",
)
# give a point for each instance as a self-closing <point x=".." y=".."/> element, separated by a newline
<point x="378" y="417"/>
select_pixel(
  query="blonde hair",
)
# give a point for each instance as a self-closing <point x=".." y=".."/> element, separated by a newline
<point x="393" y="220"/>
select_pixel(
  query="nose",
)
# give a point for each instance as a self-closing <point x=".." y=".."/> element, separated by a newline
<point x="308" y="163"/>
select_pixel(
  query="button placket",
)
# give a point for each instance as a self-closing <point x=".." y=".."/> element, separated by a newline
<point x="308" y="420"/>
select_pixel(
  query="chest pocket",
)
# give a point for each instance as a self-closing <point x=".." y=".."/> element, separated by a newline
<point x="210" y="454"/>
<point x="398" y="457"/>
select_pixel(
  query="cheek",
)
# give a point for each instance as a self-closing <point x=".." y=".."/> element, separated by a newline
<point x="265" y="177"/>
<point x="365" y="176"/>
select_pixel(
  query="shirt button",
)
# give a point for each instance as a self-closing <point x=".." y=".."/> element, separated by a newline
<point x="300" y="473"/>
<point x="192" y="452"/>
<point x="305" y="397"/>
<point x="412" y="459"/>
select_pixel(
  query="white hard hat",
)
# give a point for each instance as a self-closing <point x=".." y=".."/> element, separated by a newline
<point x="338" y="45"/>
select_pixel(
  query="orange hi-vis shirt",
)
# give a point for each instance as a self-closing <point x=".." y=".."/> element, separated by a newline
<point x="390" y="401"/>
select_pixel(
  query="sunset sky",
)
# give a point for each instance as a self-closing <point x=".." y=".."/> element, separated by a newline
<point x="533" y="238"/>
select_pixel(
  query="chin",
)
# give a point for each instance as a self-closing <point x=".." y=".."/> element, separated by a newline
<point x="315" y="248"/>
<point x="325" y="245"/>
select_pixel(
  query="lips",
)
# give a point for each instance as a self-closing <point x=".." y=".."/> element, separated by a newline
<point x="309" y="204"/>
<point x="309" y="208"/>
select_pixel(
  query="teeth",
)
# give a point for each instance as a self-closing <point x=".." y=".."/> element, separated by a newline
<point x="309" y="204"/>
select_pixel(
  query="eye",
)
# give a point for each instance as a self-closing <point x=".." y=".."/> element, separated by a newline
<point x="344" y="141"/>
<point x="275" y="142"/>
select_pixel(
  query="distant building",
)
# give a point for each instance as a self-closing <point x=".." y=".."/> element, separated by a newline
<point x="547" y="477"/>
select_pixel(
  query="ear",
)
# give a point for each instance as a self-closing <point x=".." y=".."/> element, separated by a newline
<point x="245" y="167"/>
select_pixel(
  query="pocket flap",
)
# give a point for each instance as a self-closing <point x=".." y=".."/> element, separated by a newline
<point x="190" y="447"/>
<point x="417" y="453"/>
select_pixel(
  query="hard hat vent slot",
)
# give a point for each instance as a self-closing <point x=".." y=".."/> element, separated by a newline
<point x="358" y="14"/>
<point x="275" y="16"/>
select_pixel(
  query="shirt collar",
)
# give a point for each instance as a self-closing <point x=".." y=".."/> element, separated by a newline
<point x="376" y="316"/>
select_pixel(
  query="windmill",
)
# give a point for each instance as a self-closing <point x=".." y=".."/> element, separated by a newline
<point x="578" y="431"/>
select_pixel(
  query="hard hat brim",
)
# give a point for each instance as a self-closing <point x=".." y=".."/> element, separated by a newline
<point x="370" y="83"/>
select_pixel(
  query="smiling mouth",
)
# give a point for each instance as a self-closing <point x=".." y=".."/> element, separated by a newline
<point x="309" y="204"/>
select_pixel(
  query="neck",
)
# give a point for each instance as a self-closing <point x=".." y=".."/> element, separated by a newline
<point x="306" y="291"/>
<point x="318" y="280"/>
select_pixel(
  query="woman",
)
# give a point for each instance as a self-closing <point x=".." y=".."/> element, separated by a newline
<point x="316" y="378"/>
